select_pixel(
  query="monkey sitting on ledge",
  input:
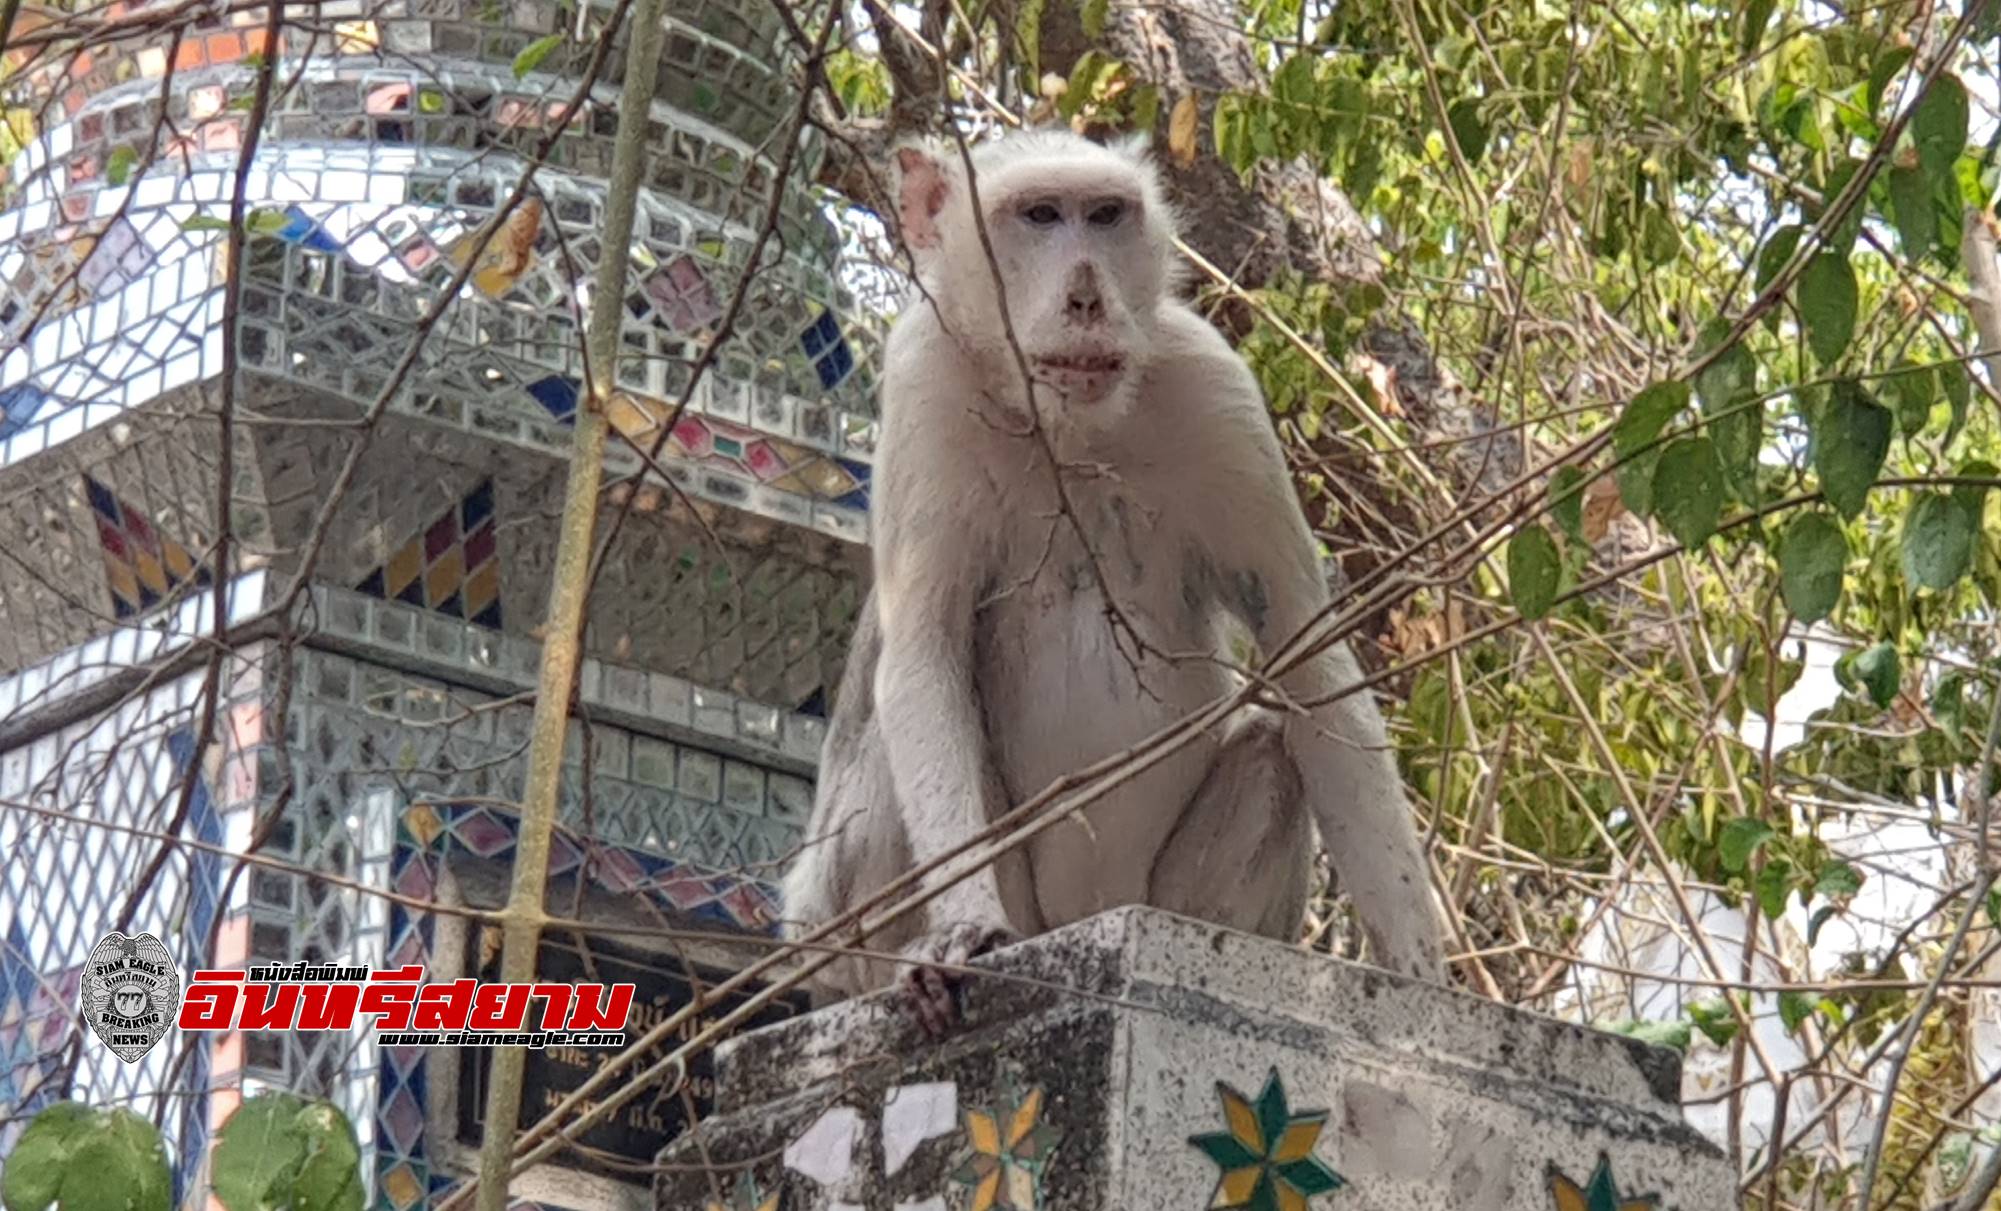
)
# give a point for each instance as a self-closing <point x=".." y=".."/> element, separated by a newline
<point x="1023" y="626"/>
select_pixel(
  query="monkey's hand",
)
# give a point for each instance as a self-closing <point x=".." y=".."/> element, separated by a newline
<point x="929" y="987"/>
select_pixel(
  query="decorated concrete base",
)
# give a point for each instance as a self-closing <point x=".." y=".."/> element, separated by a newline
<point x="1140" y="1061"/>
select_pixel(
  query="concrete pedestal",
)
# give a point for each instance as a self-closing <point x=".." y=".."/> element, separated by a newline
<point x="1140" y="1061"/>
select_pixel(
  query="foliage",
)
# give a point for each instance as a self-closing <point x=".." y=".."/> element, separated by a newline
<point x="1710" y="258"/>
<point x="74" y="1157"/>
<point x="276" y="1152"/>
<point x="281" y="1151"/>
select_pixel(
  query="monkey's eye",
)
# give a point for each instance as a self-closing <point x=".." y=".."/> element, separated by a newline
<point x="1042" y="214"/>
<point x="1106" y="215"/>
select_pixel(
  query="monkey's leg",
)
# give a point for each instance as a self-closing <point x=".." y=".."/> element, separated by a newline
<point x="855" y="843"/>
<point x="1241" y="855"/>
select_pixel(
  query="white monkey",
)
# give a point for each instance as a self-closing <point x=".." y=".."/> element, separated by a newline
<point x="988" y="661"/>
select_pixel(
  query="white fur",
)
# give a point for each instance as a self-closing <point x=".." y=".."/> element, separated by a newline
<point x="987" y="665"/>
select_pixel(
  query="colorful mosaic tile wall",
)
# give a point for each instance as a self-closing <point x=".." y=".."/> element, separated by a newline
<point x="427" y="833"/>
<point x="63" y="886"/>
<point x="452" y="568"/>
<point x="1000" y="1146"/>
<point x="379" y="757"/>
<point x="374" y="184"/>
<point x="141" y="565"/>
<point x="114" y="530"/>
<point x="357" y="723"/>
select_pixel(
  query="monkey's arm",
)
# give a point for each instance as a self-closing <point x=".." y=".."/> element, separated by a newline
<point x="932" y="726"/>
<point x="1273" y="583"/>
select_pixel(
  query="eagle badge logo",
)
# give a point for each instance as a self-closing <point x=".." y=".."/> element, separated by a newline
<point x="130" y="993"/>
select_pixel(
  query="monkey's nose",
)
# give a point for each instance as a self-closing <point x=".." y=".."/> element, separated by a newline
<point x="1086" y="305"/>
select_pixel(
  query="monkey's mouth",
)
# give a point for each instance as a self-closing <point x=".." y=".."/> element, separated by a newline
<point x="1081" y="378"/>
<point x="1081" y="363"/>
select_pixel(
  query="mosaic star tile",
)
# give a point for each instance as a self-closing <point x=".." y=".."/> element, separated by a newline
<point x="1601" y="1193"/>
<point x="1011" y="1148"/>
<point x="1266" y="1155"/>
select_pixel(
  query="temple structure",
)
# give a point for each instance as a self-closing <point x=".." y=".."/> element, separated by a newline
<point x="390" y="533"/>
<point x="1140" y="1059"/>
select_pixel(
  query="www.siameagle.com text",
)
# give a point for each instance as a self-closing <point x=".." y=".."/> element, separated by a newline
<point x="481" y="1038"/>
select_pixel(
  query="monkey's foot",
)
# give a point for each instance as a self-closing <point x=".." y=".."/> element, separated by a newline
<point x="930" y="991"/>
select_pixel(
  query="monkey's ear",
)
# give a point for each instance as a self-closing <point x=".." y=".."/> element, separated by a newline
<point x="921" y="190"/>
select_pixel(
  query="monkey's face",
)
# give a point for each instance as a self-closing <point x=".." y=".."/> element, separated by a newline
<point x="1080" y="241"/>
<point x="1082" y="284"/>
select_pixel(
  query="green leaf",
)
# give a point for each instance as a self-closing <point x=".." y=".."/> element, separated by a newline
<point x="1774" y="880"/>
<point x="1812" y="553"/>
<point x="1740" y="839"/>
<point x="1092" y="14"/>
<point x="1534" y="570"/>
<point x="1973" y="497"/>
<point x="1948" y="705"/>
<point x="330" y="1177"/>
<point x="1767" y="678"/>
<point x="107" y="1175"/>
<point x="1837" y="879"/>
<point x="1878" y="671"/>
<point x="266" y="220"/>
<point x="1688" y="490"/>
<point x="1911" y="206"/>
<point x="83" y="1159"/>
<point x="1660" y="1034"/>
<point x="1913" y="390"/>
<point x="119" y="164"/>
<point x="1939" y="126"/>
<point x="280" y="1151"/>
<point x="1794" y="1009"/>
<point x="1714" y="1019"/>
<point x="202" y="222"/>
<point x="1851" y="436"/>
<point x="1738" y="430"/>
<point x="1826" y="298"/>
<point x="1727" y="387"/>
<point x="1636" y="429"/>
<point x="1467" y="129"/>
<point x="33" y="1176"/>
<point x="1958" y="392"/>
<point x="1820" y="917"/>
<point x="1842" y="236"/>
<point x="531" y="55"/>
<point x="1757" y="14"/>
<point x="1566" y="500"/>
<point x="1993" y="918"/>
<point x="1778" y="249"/>
<point x="1881" y="72"/>
<point x="1730" y="373"/>
<point x="1938" y="539"/>
<point x="259" y="1153"/>
<point x="134" y="1153"/>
